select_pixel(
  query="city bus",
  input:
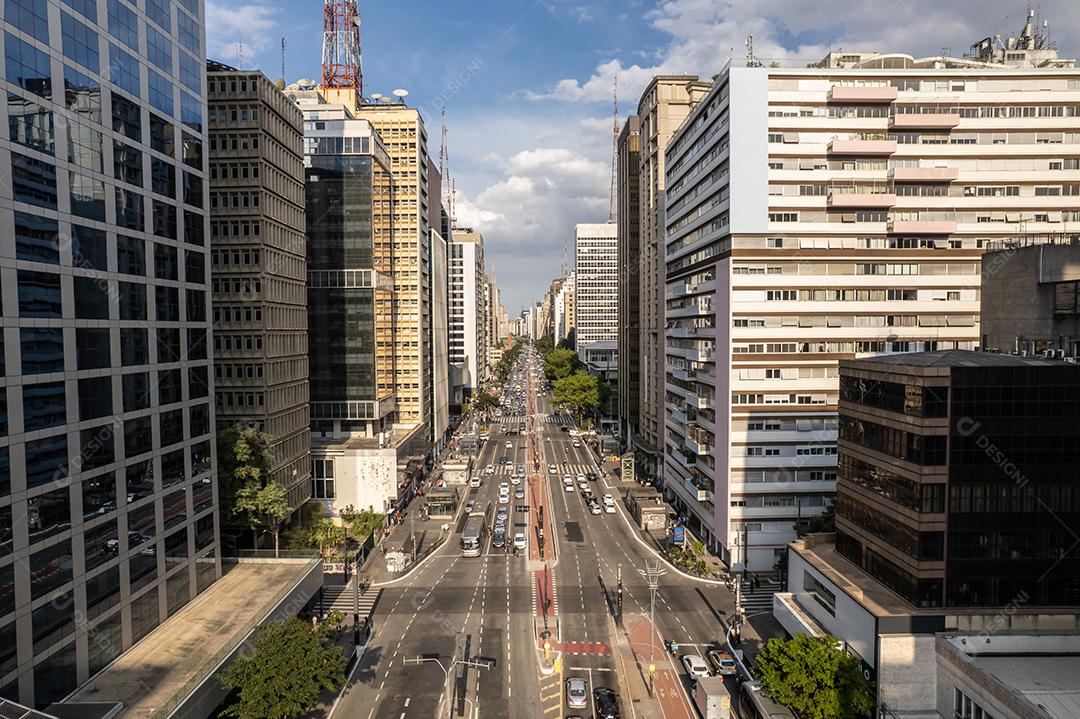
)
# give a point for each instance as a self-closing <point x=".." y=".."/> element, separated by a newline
<point x="475" y="533"/>
<point x="753" y="704"/>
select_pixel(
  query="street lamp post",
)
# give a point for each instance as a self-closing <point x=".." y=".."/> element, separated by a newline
<point x="652" y="574"/>
<point x="475" y="663"/>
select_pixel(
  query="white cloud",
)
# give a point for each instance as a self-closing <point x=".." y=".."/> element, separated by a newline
<point x="230" y="23"/>
<point x="704" y="34"/>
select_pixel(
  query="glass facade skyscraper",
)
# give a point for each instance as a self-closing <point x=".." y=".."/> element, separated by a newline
<point x="107" y="502"/>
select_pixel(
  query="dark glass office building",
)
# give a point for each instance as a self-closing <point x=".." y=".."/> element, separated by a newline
<point x="107" y="498"/>
<point x="959" y="477"/>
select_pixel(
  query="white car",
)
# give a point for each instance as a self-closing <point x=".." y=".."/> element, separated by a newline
<point x="475" y="481"/>
<point x="490" y="469"/>
<point x="515" y="479"/>
<point x="576" y="696"/>
<point x="695" y="666"/>
<point x="609" y="507"/>
<point x="567" y="478"/>
<point x="504" y="499"/>
<point x="509" y="444"/>
<point x="519" y="540"/>
<point x="577" y="443"/>
<point x="552" y="469"/>
<point x="594" y="507"/>
<point x="580" y="478"/>
<point x="608" y="499"/>
<point x="504" y="488"/>
<point x="568" y="486"/>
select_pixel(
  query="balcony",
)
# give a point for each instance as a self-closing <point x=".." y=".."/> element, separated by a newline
<point x="877" y="147"/>
<point x="861" y="199"/>
<point x="697" y="447"/>
<point x="928" y="121"/>
<point x="700" y="402"/>
<point x="873" y="94"/>
<point x="924" y="174"/>
<point x="683" y="460"/>
<point x="921" y="227"/>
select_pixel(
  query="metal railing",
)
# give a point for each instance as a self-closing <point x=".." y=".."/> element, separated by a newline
<point x="210" y="664"/>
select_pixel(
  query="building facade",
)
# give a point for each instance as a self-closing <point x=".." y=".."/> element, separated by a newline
<point x="826" y="213"/>
<point x="564" y="309"/>
<point x="628" y="220"/>
<point x="956" y="480"/>
<point x="468" y="344"/>
<point x="663" y="106"/>
<point x="260" y="278"/>
<point x="107" y="454"/>
<point x="440" y="337"/>
<point x="596" y="284"/>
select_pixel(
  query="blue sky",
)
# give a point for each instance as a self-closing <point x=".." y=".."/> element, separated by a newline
<point x="527" y="83"/>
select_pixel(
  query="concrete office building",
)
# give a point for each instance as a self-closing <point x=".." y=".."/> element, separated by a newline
<point x="628" y="220"/>
<point x="1030" y="289"/>
<point x="563" y="309"/>
<point x="663" y="106"/>
<point x="260" y="277"/>
<point x="440" y="338"/>
<point x="107" y="499"/>
<point x="468" y="344"/>
<point x="831" y="212"/>
<point x="596" y="284"/>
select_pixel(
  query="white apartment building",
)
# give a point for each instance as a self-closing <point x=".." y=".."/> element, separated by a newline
<point x="596" y="284"/>
<point x="468" y="297"/>
<point x="831" y="212"/>
<point x="564" y="309"/>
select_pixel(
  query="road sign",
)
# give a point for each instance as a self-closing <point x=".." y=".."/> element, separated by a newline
<point x="626" y="464"/>
<point x="678" y="535"/>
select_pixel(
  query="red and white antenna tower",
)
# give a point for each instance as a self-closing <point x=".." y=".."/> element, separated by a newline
<point x="341" y="68"/>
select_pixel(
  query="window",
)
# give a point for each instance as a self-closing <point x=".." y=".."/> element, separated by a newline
<point x="36" y="238"/>
<point x="44" y="406"/>
<point x="124" y="70"/>
<point x="163" y="177"/>
<point x="31" y="125"/>
<point x="30" y="16"/>
<point x="92" y="348"/>
<point x="158" y="11"/>
<point x="167" y="306"/>
<point x="134" y="349"/>
<point x="39" y="294"/>
<point x="98" y="496"/>
<point x="322" y="474"/>
<point x="132" y="301"/>
<point x="819" y="593"/>
<point x="165" y="263"/>
<point x="188" y="32"/>
<point x="91" y="298"/>
<point x="124" y="24"/>
<point x="87" y="197"/>
<point x="95" y="397"/>
<point x="88" y="248"/>
<point x="190" y="71"/>
<point x="168" y="345"/>
<point x="135" y="389"/>
<point x="161" y="92"/>
<point x="84" y="147"/>
<point x="27" y="67"/>
<point x="42" y="349"/>
<point x="127" y="164"/>
<point x="80" y="42"/>
<point x="33" y="181"/>
<point x="129" y="210"/>
<point x="159" y="49"/>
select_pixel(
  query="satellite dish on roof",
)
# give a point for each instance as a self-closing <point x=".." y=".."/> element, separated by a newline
<point x="376" y="96"/>
<point x="400" y="93"/>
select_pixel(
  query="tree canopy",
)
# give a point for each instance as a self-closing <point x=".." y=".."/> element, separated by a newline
<point x="285" y="673"/>
<point x="244" y="461"/>
<point x="813" y="676"/>
<point x="263" y="505"/>
<point x="580" y="392"/>
<point x="560" y="363"/>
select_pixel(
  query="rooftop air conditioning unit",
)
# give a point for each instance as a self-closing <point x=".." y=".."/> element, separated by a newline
<point x="1070" y="360"/>
<point x="1023" y="353"/>
<point x="1059" y="354"/>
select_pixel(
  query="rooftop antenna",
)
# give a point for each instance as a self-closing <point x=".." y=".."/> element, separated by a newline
<point x="240" y="52"/>
<point x="283" y="57"/>
<point x="614" y="147"/>
<point x="341" y="62"/>
<point x="444" y="168"/>
<point x="751" y="61"/>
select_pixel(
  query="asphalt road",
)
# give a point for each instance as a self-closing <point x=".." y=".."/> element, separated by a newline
<point x="455" y="606"/>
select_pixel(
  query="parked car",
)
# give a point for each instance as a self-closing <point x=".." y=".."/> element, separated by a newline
<point x="576" y="694"/>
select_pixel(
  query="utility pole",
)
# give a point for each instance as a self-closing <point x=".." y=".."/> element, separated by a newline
<point x="652" y="573"/>
<point x="618" y="600"/>
<point x="412" y="531"/>
<point x="475" y="663"/>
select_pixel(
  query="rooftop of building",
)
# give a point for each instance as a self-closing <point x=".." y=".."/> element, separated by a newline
<point x="399" y="435"/>
<point x="1051" y="683"/>
<point x="164" y="668"/>
<point x="950" y="358"/>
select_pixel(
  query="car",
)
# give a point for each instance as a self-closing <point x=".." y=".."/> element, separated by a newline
<point x="521" y="469"/>
<point x="552" y="469"/>
<point x="498" y="539"/>
<point x="469" y="506"/>
<point x="576" y="694"/>
<point x="568" y="478"/>
<point x="577" y="443"/>
<point x="564" y="429"/>
<point x="695" y="666"/>
<point x="519" y="540"/>
<point x="502" y="513"/>
<point x="606" y="702"/>
<point x="504" y="460"/>
<point x="490" y="469"/>
<point x="509" y="444"/>
<point x="568" y="486"/>
<point x="475" y="481"/>
<point x="722" y="663"/>
<point x="591" y="476"/>
<point x="608" y="499"/>
<point x="515" y="479"/>
<point x="519" y="493"/>
<point x="594" y="507"/>
<point x="504" y="499"/>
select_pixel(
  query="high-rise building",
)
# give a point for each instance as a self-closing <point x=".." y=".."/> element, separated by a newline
<point x="564" y="309"/>
<point x="107" y="459"/>
<point x="260" y="276"/>
<point x="402" y="130"/>
<point x="824" y="213"/>
<point x="970" y="451"/>
<point x="596" y="284"/>
<point x="628" y="220"/>
<point x="440" y="337"/>
<point x="468" y="346"/>
<point x="663" y="106"/>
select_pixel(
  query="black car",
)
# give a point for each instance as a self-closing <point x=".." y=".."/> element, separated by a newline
<point x="607" y="703"/>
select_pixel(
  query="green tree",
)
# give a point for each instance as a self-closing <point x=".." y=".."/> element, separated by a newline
<point x="813" y="676"/>
<point x="545" y="344"/>
<point x="285" y="673"/>
<point x="824" y="522"/>
<point x="327" y="536"/>
<point x="484" y="401"/>
<point x="263" y="505"/>
<point x="560" y="363"/>
<point x="243" y="457"/>
<point x="580" y="392"/>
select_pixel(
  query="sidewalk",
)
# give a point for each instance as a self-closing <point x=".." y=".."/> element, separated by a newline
<point x="429" y="536"/>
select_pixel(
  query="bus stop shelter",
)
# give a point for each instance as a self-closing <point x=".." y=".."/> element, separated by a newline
<point x="441" y="503"/>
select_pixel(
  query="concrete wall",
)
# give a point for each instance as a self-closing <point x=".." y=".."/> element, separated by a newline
<point x="906" y="672"/>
